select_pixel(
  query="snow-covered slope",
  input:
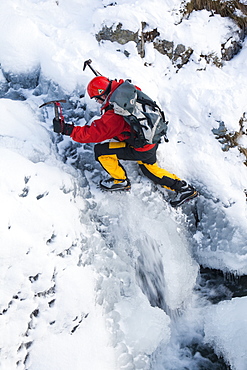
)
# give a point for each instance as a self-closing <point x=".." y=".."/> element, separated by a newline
<point x="96" y="281"/>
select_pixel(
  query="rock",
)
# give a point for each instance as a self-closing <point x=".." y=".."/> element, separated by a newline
<point x="119" y="35"/>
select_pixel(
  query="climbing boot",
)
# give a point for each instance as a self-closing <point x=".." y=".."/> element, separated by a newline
<point x="114" y="184"/>
<point x="185" y="193"/>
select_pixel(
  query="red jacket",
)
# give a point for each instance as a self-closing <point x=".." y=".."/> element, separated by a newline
<point x="109" y="126"/>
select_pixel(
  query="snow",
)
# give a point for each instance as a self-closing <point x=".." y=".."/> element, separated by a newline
<point x="224" y="318"/>
<point x="87" y="346"/>
<point x="138" y="328"/>
<point x="90" y="281"/>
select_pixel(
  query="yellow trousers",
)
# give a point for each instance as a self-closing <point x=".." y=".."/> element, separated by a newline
<point x="109" y="154"/>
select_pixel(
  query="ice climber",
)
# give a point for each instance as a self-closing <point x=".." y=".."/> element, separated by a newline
<point x="113" y="126"/>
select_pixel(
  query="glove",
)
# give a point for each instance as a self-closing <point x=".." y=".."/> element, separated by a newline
<point x="57" y="125"/>
<point x="62" y="128"/>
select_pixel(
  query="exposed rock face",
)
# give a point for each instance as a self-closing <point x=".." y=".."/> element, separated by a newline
<point x="231" y="48"/>
<point x="118" y="34"/>
<point x="164" y="47"/>
<point x="179" y="54"/>
<point x="232" y="9"/>
<point x="232" y="139"/>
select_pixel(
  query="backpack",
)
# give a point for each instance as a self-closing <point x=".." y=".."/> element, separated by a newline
<point x="146" y="119"/>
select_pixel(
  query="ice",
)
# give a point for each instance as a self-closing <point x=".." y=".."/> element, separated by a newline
<point x="96" y="281"/>
<point x="76" y="334"/>
<point x="144" y="327"/>
<point x="226" y="330"/>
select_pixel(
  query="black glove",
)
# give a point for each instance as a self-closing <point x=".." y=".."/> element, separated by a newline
<point x="57" y="125"/>
<point x="62" y="128"/>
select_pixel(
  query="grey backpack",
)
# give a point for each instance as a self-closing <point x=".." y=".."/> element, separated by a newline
<point x="146" y="119"/>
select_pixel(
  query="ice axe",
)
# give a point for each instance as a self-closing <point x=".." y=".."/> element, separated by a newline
<point x="88" y="63"/>
<point x="57" y="108"/>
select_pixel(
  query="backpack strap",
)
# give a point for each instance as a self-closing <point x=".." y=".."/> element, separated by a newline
<point x="109" y="107"/>
<point x="145" y="100"/>
<point x="137" y="138"/>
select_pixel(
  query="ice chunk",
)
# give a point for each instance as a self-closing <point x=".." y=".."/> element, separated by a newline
<point x="226" y="330"/>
